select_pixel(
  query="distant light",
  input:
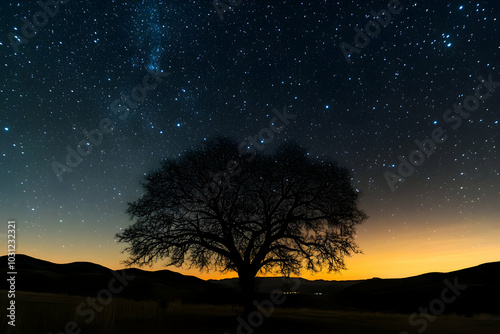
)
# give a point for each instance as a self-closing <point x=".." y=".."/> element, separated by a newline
<point x="178" y="125"/>
<point x="435" y="122"/>
<point x="448" y="45"/>
<point x="461" y="7"/>
<point x="6" y="129"/>
<point x="161" y="132"/>
<point x="327" y="106"/>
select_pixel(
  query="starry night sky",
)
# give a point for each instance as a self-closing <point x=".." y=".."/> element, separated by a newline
<point x="225" y="77"/>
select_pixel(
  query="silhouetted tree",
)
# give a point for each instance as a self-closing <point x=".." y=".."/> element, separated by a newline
<point x="227" y="208"/>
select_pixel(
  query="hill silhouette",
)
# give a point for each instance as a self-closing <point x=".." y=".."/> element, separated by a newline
<point x="402" y="295"/>
<point x="408" y="294"/>
<point x="86" y="279"/>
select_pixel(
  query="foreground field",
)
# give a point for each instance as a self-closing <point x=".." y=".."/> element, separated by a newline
<point x="48" y="313"/>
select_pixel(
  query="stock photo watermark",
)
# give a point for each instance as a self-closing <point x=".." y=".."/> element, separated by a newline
<point x="248" y="146"/>
<point x="221" y="8"/>
<point x="264" y="309"/>
<point x="372" y="29"/>
<point x="39" y="20"/>
<point x="436" y="307"/>
<point x="428" y="146"/>
<point x="94" y="137"/>
<point x="103" y="298"/>
<point x="11" y="272"/>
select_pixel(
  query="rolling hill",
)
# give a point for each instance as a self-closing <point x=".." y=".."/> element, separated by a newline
<point x="86" y="279"/>
<point x="473" y="290"/>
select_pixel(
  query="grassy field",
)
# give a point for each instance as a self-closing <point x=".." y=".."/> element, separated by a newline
<point x="47" y="313"/>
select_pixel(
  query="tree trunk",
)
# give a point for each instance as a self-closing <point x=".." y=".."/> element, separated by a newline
<point x="248" y="285"/>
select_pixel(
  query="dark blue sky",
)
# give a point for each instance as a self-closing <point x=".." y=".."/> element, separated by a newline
<point x="214" y="76"/>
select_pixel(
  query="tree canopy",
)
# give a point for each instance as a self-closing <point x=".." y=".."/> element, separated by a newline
<point x="222" y="207"/>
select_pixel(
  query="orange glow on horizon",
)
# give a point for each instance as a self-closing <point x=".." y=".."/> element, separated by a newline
<point x="408" y="254"/>
<point x="395" y="249"/>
